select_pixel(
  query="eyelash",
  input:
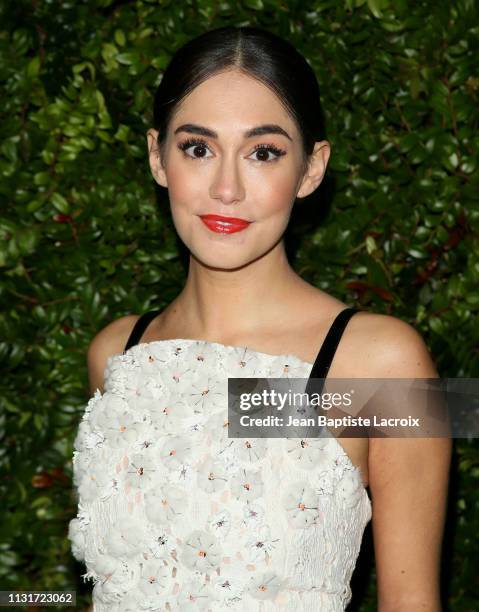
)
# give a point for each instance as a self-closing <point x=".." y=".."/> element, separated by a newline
<point x="186" y="144"/>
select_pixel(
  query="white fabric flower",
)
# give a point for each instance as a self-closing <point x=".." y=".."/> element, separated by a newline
<point x="175" y="452"/>
<point x="141" y="470"/>
<point x="240" y="362"/>
<point x="81" y="463"/>
<point x="76" y="535"/>
<point x="96" y="481"/>
<point x="264" y="585"/>
<point x="114" y="417"/>
<point x="91" y="403"/>
<point x="201" y="551"/>
<point x="251" y="449"/>
<point x="195" y="423"/>
<point x="349" y="488"/>
<point x="253" y="515"/>
<point x="206" y="394"/>
<point x="146" y="437"/>
<point x="131" y="602"/>
<point x="195" y="595"/>
<point x="287" y="366"/>
<point x="87" y="439"/>
<point x="160" y="544"/>
<point x="220" y="524"/>
<point x="165" y="504"/>
<point x="155" y="579"/>
<point x="301" y="504"/>
<point x="168" y="351"/>
<point x="212" y="477"/>
<point x="125" y="537"/>
<point x="224" y="448"/>
<point x="124" y="430"/>
<point x="342" y="463"/>
<point x="307" y="453"/>
<point x="152" y="357"/>
<point x="247" y="485"/>
<point x="204" y="356"/>
<point x="167" y="413"/>
<point x="176" y="376"/>
<point x="229" y="585"/>
<point x="116" y="578"/>
<point x="120" y="374"/>
<point x="325" y="483"/>
<point x="260" y="544"/>
<point x="228" y="457"/>
<point x="216" y="427"/>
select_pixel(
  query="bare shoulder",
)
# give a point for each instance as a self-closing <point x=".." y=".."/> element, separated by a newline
<point x="108" y="341"/>
<point x="390" y="347"/>
<point x="408" y="476"/>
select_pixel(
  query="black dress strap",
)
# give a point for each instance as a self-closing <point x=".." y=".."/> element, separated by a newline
<point x="326" y="353"/>
<point x="139" y="328"/>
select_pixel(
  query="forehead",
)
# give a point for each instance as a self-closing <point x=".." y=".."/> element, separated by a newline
<point x="233" y="99"/>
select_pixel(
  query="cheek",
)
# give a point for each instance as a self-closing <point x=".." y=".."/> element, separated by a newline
<point x="276" y="195"/>
<point x="184" y="187"/>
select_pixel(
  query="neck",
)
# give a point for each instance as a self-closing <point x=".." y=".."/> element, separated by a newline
<point x="223" y="304"/>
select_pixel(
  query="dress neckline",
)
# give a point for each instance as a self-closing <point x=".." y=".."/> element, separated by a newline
<point x="220" y="344"/>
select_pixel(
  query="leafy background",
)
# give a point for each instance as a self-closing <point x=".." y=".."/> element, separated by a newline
<point x="86" y="236"/>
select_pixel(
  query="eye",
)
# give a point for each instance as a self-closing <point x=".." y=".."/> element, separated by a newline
<point x="196" y="144"/>
<point x="200" y="146"/>
<point x="266" y="150"/>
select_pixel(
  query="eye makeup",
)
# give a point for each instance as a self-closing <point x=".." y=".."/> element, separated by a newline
<point x="198" y="142"/>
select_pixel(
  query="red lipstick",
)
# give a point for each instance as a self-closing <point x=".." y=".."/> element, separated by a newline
<point x="224" y="225"/>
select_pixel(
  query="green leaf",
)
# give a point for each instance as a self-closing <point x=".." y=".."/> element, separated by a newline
<point x="120" y="38"/>
<point x="377" y="6"/>
<point x="60" y="203"/>
<point x="256" y="5"/>
<point x="33" y="68"/>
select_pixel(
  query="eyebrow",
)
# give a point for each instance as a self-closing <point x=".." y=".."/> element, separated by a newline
<point x="260" y="130"/>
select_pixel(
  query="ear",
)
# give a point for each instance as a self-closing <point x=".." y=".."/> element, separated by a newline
<point x="316" y="169"/>
<point x="156" y="163"/>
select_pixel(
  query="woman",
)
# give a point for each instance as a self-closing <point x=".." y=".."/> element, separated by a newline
<point x="173" y="514"/>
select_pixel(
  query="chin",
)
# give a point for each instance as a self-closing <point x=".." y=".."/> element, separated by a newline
<point x="220" y="261"/>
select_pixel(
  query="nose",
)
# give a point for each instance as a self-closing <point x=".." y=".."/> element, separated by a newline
<point x="227" y="185"/>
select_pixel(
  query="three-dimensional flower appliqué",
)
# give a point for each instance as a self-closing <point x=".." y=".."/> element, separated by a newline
<point x="302" y="505"/>
<point x="165" y="504"/>
<point x="212" y="477"/>
<point x="260" y="544"/>
<point x="247" y="485"/>
<point x="195" y="594"/>
<point x="175" y="452"/>
<point x="264" y="585"/>
<point x="140" y="472"/>
<point x="114" y="578"/>
<point x="350" y="488"/>
<point x="220" y="524"/>
<point x="201" y="551"/>
<point x="155" y="579"/>
<point x="251" y="449"/>
<point x="307" y="453"/>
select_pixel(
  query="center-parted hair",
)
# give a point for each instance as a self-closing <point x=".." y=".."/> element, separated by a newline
<point x="256" y="52"/>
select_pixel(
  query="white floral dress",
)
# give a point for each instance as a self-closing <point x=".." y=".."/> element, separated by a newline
<point x="175" y="516"/>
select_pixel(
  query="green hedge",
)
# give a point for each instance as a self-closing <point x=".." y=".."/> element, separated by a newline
<point x="85" y="236"/>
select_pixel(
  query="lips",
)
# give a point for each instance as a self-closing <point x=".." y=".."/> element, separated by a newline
<point x="224" y="225"/>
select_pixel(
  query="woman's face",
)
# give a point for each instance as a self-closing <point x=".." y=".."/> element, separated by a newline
<point x="212" y="166"/>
